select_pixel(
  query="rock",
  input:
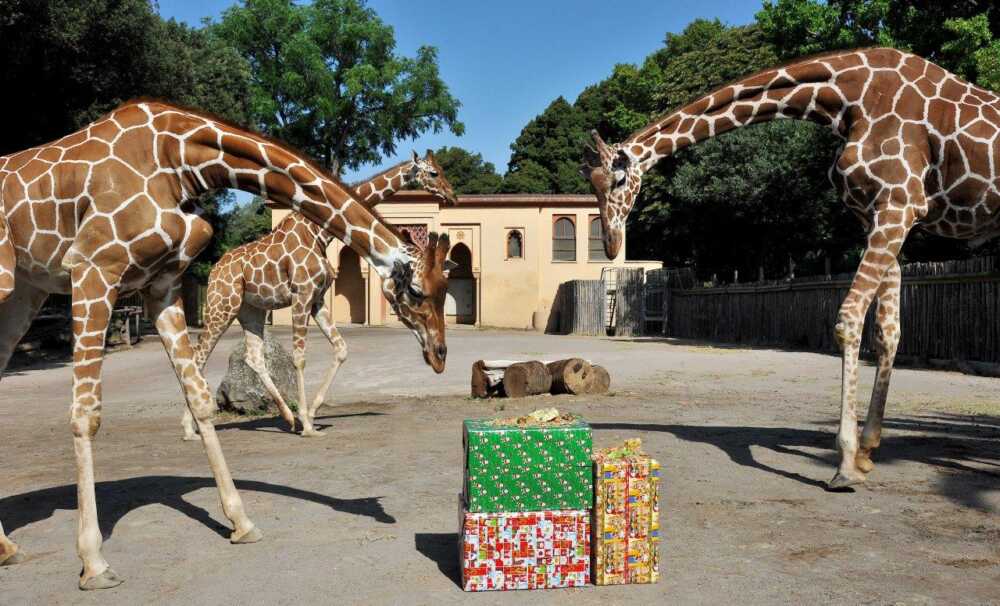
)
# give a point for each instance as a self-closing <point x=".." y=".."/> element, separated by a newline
<point x="242" y="390"/>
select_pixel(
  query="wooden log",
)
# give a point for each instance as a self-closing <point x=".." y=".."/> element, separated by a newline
<point x="480" y="384"/>
<point x="569" y="376"/>
<point x="486" y="382"/>
<point x="599" y="380"/>
<point x="526" y="379"/>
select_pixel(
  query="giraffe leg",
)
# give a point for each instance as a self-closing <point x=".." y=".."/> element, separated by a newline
<point x="887" y="337"/>
<point x="16" y="314"/>
<point x="94" y="295"/>
<point x="10" y="554"/>
<point x="300" y="328"/>
<point x="252" y="320"/>
<point x="219" y="315"/>
<point x="324" y="319"/>
<point x="168" y="311"/>
<point x="884" y="243"/>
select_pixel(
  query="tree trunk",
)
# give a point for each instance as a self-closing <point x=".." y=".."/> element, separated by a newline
<point x="600" y="380"/>
<point x="570" y="376"/>
<point x="526" y="379"/>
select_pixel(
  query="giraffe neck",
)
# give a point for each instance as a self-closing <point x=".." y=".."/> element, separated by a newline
<point x="383" y="185"/>
<point x="207" y="154"/>
<point x="807" y="90"/>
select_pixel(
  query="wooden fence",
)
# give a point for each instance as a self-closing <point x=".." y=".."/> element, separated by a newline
<point x="949" y="311"/>
<point x="581" y="307"/>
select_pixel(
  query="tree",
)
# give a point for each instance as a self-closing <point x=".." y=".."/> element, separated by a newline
<point x="70" y="61"/>
<point x="326" y="79"/>
<point x="467" y="172"/>
<point x="66" y="62"/>
<point x="546" y="155"/>
<point x="958" y="34"/>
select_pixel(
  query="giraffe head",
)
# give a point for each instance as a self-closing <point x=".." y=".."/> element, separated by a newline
<point x="616" y="178"/>
<point x="416" y="291"/>
<point x="428" y="174"/>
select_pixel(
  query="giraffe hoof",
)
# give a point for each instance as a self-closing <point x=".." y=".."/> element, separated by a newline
<point x="251" y="536"/>
<point x="192" y="438"/>
<point x="17" y="558"/>
<point x="315" y="433"/>
<point x="841" y="481"/>
<point x="105" y="580"/>
<point x="864" y="463"/>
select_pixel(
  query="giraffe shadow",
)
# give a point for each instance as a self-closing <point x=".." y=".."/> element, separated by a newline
<point x="966" y="448"/>
<point x="117" y="498"/>
<point x="276" y="424"/>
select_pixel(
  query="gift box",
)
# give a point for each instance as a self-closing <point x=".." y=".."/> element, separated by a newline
<point x="524" y="549"/>
<point x="527" y="468"/>
<point x="626" y="516"/>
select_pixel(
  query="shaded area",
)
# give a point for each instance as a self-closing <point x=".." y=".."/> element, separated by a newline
<point x="278" y="425"/>
<point x="442" y="549"/>
<point x="967" y="447"/>
<point x="117" y="498"/>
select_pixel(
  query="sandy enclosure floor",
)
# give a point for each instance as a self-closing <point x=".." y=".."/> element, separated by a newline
<point x="367" y="515"/>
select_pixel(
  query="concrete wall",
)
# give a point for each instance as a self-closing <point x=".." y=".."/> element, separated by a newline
<point x="512" y="293"/>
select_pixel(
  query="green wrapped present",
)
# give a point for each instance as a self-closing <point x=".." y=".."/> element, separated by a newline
<point x="527" y="467"/>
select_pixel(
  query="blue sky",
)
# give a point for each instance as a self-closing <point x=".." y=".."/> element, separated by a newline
<point x="507" y="60"/>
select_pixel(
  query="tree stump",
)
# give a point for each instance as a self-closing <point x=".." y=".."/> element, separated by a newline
<point x="526" y="379"/>
<point x="570" y="376"/>
<point x="599" y="380"/>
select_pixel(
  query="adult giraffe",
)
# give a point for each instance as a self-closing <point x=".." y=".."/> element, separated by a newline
<point x="107" y="210"/>
<point x="288" y="267"/>
<point x="919" y="148"/>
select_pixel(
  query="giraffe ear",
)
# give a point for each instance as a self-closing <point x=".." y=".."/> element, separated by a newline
<point x="602" y="147"/>
<point x="415" y="158"/>
<point x="429" y="256"/>
<point x="443" y="246"/>
<point x="430" y="155"/>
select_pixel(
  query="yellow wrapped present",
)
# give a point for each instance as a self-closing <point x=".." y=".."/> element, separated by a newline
<point x="626" y="516"/>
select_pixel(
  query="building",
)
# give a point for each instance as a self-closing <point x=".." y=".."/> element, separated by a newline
<point x="513" y="251"/>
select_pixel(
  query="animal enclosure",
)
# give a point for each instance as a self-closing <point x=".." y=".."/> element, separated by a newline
<point x="949" y="311"/>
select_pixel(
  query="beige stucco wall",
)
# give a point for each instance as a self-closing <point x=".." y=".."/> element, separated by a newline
<point x="511" y="293"/>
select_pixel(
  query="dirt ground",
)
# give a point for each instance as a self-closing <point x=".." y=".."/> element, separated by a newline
<point x="367" y="515"/>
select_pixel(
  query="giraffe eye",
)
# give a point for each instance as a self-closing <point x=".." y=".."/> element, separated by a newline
<point x="433" y="173"/>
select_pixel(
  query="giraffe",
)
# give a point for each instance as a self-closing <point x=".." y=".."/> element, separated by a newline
<point x="108" y="210"/>
<point x="288" y="267"/>
<point x="919" y="148"/>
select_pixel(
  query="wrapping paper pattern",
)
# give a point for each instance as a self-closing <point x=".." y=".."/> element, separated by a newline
<point x="626" y="520"/>
<point x="509" y="468"/>
<point x="524" y="550"/>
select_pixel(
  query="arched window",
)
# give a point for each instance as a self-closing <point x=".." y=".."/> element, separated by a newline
<point x="596" y="241"/>
<point x="515" y="245"/>
<point x="564" y="239"/>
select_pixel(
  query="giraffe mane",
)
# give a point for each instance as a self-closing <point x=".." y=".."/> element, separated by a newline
<point x="379" y="174"/>
<point x="305" y="157"/>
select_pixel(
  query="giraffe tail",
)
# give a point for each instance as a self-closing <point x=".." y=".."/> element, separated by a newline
<point x="8" y="259"/>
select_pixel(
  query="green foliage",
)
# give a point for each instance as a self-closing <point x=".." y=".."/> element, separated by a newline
<point x="546" y="155"/>
<point x="327" y="80"/>
<point x="66" y="62"/>
<point x="753" y="198"/>
<point x="958" y="34"/>
<point x="467" y="172"/>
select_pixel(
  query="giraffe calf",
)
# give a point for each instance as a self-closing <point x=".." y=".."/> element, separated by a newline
<point x="288" y="268"/>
